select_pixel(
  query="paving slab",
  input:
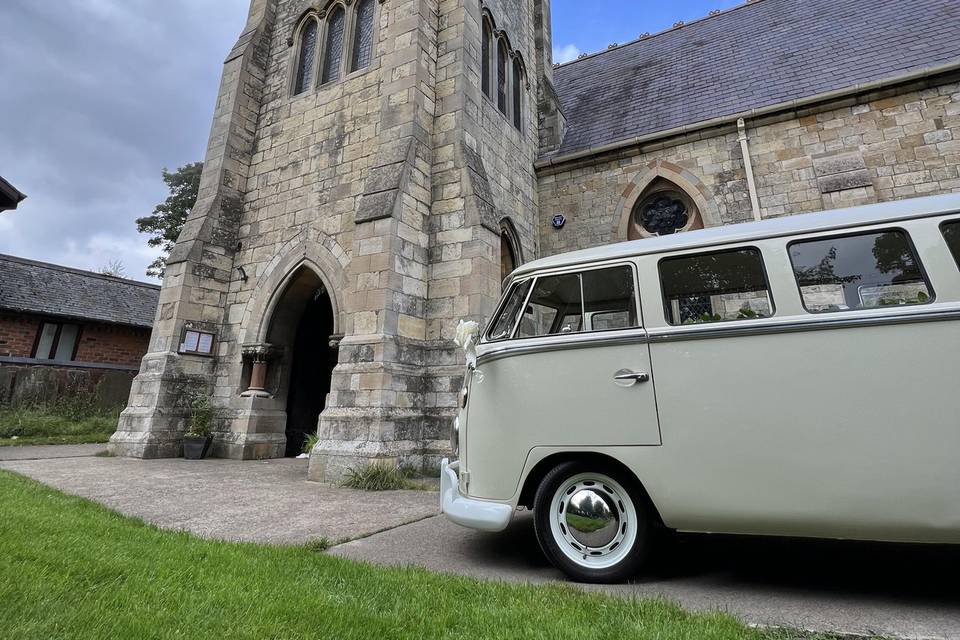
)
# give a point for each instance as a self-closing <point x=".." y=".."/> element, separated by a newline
<point x="49" y="451"/>
<point x="257" y="501"/>
<point x="904" y="591"/>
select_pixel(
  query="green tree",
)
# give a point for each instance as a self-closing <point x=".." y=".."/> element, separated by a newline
<point x="167" y="219"/>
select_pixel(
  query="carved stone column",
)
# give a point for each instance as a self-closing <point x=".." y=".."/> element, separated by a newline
<point x="259" y="355"/>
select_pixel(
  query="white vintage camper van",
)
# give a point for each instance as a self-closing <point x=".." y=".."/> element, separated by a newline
<point x="788" y="377"/>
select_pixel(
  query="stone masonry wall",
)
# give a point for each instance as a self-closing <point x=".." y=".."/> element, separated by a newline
<point x="897" y="143"/>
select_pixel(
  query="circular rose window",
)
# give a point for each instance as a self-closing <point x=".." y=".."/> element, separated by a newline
<point x="663" y="212"/>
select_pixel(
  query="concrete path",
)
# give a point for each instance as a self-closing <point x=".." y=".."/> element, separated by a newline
<point x="49" y="451"/>
<point x="891" y="590"/>
<point x="259" y="501"/>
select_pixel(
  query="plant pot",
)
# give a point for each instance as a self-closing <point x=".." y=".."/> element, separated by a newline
<point x="195" y="448"/>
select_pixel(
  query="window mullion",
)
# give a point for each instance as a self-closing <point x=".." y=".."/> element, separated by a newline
<point x="318" y="54"/>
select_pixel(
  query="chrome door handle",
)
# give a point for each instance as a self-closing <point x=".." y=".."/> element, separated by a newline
<point x="627" y="378"/>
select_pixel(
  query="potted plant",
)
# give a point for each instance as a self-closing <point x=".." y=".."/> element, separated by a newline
<point x="196" y="442"/>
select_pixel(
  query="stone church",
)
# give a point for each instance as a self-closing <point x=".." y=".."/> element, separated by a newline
<point x="376" y="167"/>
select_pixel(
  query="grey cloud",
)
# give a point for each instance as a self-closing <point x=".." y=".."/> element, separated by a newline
<point x="99" y="96"/>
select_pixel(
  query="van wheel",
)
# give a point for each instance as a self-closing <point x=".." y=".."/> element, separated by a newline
<point x="591" y="522"/>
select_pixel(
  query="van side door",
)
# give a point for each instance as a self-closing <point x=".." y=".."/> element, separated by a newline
<point x="575" y="372"/>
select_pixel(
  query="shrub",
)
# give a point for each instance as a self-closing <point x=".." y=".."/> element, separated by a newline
<point x="201" y="414"/>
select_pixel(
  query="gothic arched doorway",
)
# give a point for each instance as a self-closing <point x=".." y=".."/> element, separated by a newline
<point x="302" y="329"/>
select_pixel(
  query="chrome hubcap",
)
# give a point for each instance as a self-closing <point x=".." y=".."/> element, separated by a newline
<point x="592" y="518"/>
<point x="594" y="521"/>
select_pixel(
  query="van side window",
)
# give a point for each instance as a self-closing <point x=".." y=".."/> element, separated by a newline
<point x="715" y="287"/>
<point x="503" y="326"/>
<point x="608" y="299"/>
<point x="593" y="300"/>
<point x="863" y="271"/>
<point x="951" y="233"/>
<point x="555" y="306"/>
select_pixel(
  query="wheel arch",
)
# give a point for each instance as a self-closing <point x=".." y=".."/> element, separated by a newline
<point x="540" y="470"/>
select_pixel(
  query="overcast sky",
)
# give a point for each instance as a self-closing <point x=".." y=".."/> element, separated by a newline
<point x="100" y="95"/>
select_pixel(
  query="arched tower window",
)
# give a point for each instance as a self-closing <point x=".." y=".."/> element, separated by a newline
<point x="502" y="60"/>
<point x="517" y="96"/>
<point x="306" y="56"/>
<point x="485" y="57"/>
<point x="333" y="50"/>
<point x="363" y="36"/>
<point x="662" y="209"/>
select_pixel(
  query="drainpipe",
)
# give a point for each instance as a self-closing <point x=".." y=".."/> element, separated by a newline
<point x="748" y="167"/>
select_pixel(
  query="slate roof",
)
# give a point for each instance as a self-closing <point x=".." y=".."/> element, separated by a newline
<point x="754" y="55"/>
<point x="49" y="289"/>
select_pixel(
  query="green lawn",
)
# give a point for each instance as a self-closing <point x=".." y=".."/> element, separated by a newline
<point x="72" y="569"/>
<point x="53" y="425"/>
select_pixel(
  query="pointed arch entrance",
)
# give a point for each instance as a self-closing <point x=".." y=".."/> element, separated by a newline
<point x="301" y="338"/>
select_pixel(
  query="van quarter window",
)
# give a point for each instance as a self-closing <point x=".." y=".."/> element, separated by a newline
<point x="863" y="271"/>
<point x="503" y="326"/>
<point x="715" y="287"/>
<point x="951" y="232"/>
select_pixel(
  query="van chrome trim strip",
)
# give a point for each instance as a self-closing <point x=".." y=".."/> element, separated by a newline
<point x="552" y="344"/>
<point x="794" y="326"/>
<point x="714" y="332"/>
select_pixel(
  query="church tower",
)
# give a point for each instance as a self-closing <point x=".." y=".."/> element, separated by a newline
<point x="369" y="180"/>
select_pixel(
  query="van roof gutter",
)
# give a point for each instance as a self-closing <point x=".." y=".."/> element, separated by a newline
<point x="789" y="105"/>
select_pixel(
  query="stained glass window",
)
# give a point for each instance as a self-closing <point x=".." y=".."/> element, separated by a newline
<point x="502" y="77"/>
<point x="333" y="51"/>
<point x="517" y="99"/>
<point x="485" y="59"/>
<point x="363" y="36"/>
<point x="306" y="56"/>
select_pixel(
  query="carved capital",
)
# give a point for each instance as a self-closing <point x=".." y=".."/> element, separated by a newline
<point x="259" y="352"/>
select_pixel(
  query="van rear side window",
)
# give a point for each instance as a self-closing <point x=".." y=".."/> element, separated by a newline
<point x="951" y="233"/>
<point x="715" y="287"/>
<point x="863" y="271"/>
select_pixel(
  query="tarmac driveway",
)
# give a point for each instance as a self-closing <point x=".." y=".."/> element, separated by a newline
<point x="891" y="590"/>
<point x="851" y="588"/>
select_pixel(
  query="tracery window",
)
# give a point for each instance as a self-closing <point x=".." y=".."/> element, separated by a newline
<point x="502" y="57"/>
<point x="333" y="50"/>
<point x="363" y="36"/>
<point x="663" y="209"/>
<point x="306" y="57"/>
<point x="333" y="44"/>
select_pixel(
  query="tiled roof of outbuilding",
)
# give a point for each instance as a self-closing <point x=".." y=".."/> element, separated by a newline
<point x="49" y="289"/>
<point x="756" y="55"/>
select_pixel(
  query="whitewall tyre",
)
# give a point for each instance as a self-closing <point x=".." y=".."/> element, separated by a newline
<point x="592" y="522"/>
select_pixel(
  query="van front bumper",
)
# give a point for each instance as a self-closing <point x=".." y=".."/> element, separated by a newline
<point x="468" y="512"/>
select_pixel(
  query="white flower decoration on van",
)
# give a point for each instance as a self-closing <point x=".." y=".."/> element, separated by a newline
<point x="466" y="338"/>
